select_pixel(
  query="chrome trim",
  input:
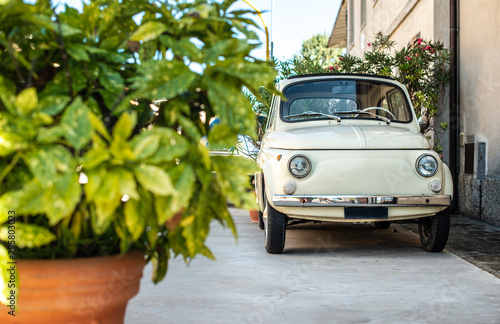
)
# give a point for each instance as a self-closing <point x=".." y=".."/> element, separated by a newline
<point x="361" y="201"/>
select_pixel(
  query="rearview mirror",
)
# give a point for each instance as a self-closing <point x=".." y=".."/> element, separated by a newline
<point x="423" y="122"/>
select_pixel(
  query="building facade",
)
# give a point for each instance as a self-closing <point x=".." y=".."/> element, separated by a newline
<point x="469" y="28"/>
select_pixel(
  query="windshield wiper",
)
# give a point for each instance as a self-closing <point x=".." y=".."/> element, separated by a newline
<point x="385" y="119"/>
<point x="313" y="113"/>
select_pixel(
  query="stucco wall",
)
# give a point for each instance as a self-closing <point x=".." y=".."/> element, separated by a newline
<point x="479" y="77"/>
<point x="479" y="72"/>
<point x="403" y="20"/>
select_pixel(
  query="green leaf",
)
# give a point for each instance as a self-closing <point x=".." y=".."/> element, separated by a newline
<point x="45" y="162"/>
<point x="145" y="144"/>
<point x="111" y="80"/>
<point x="30" y="200"/>
<point x="42" y="168"/>
<point x="95" y="178"/>
<point x="7" y="93"/>
<point x="185" y="185"/>
<point x="148" y="31"/>
<point x="121" y="150"/>
<point x="53" y="104"/>
<point x="95" y="157"/>
<point x="26" y="235"/>
<point x="222" y="135"/>
<point x="98" y="126"/>
<point x="160" y="264"/>
<point x="26" y="101"/>
<point x="107" y="199"/>
<point x="233" y="175"/>
<point x="125" y="125"/>
<point x="48" y="135"/>
<point x="78" y="52"/>
<point x="62" y="198"/>
<point x="154" y="179"/>
<point x="128" y="184"/>
<point x="76" y="124"/>
<point x="134" y="218"/>
<point x="68" y="31"/>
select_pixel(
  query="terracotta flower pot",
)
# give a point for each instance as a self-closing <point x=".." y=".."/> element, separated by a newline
<point x="254" y="215"/>
<point x="86" y="290"/>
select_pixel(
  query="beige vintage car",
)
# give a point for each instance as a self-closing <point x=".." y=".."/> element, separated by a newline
<point x="348" y="148"/>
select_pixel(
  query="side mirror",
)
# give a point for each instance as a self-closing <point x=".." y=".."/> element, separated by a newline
<point x="423" y="122"/>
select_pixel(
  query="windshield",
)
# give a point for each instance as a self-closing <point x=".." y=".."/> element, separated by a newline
<point x="345" y="99"/>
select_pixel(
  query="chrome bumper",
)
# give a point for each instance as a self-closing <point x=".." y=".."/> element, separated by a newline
<point x="362" y="201"/>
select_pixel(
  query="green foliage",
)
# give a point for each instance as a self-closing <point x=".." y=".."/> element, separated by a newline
<point x="100" y="125"/>
<point x="315" y="49"/>
<point x="424" y="69"/>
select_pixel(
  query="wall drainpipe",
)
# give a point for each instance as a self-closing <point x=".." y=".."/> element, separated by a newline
<point x="454" y="102"/>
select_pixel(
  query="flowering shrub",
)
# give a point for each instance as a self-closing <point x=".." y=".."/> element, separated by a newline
<point x="423" y="68"/>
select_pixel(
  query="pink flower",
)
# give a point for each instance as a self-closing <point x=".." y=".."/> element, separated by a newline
<point x="427" y="48"/>
<point x="341" y="58"/>
<point x="330" y="68"/>
<point x="369" y="44"/>
<point x="408" y="58"/>
<point x="419" y="41"/>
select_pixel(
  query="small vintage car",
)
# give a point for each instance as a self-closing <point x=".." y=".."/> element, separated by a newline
<point x="348" y="148"/>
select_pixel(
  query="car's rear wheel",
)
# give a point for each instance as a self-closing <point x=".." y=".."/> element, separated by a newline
<point x="275" y="229"/>
<point x="434" y="231"/>
<point x="261" y="220"/>
<point x="382" y="225"/>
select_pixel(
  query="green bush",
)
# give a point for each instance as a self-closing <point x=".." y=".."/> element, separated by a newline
<point x="423" y="68"/>
<point x="100" y="126"/>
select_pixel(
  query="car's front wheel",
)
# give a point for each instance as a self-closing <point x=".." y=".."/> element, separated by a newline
<point x="275" y="229"/>
<point x="434" y="231"/>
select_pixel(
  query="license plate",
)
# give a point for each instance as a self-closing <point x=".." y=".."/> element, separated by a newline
<point x="366" y="213"/>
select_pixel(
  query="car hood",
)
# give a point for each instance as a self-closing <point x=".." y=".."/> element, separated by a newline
<point x="347" y="137"/>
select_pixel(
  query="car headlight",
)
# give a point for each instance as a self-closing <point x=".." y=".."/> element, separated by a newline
<point x="299" y="166"/>
<point x="427" y="165"/>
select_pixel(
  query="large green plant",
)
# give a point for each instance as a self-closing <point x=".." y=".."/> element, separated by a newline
<point x="100" y="126"/>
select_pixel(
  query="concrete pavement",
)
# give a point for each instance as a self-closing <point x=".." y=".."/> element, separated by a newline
<point x="328" y="273"/>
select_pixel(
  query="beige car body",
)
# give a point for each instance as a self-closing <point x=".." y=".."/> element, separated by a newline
<point x="355" y="163"/>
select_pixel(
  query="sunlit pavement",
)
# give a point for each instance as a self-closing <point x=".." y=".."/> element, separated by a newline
<point x="328" y="273"/>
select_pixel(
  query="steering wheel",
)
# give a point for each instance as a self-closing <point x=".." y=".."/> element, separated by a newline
<point x="380" y="108"/>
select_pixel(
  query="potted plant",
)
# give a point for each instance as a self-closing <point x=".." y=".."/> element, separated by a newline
<point x="101" y="115"/>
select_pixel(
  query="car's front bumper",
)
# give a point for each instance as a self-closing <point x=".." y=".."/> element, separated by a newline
<point x="361" y="201"/>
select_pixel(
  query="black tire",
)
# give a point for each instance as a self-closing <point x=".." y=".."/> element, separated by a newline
<point x="261" y="220"/>
<point x="382" y="225"/>
<point x="434" y="231"/>
<point x="264" y="202"/>
<point x="275" y="230"/>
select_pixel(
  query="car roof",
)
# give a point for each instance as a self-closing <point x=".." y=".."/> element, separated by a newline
<point x="324" y="76"/>
<point x="338" y="74"/>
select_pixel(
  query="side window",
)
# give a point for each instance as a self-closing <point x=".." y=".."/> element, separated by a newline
<point x="398" y="106"/>
<point x="272" y="113"/>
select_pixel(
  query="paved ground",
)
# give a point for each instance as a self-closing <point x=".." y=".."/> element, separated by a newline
<point x="341" y="273"/>
<point x="474" y="241"/>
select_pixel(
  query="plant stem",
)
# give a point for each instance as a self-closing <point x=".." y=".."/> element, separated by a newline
<point x="11" y="165"/>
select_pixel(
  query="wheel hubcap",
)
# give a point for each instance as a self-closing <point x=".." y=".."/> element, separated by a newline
<point x="426" y="228"/>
